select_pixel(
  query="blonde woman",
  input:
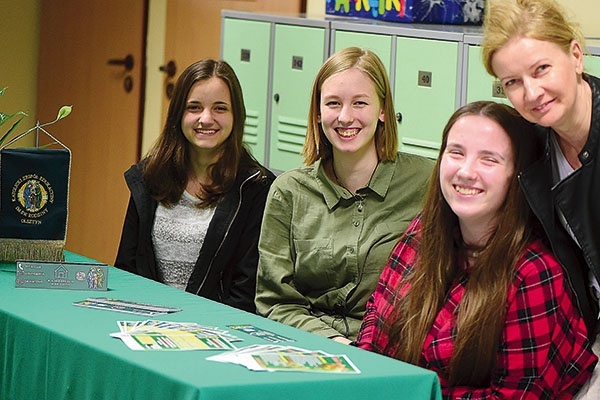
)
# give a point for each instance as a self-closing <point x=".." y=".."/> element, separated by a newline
<point x="330" y="226"/>
<point x="537" y="52"/>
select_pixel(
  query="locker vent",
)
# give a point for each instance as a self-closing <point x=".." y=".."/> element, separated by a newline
<point x="291" y="133"/>
<point x="251" y="127"/>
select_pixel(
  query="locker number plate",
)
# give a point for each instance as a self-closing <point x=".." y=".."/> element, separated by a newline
<point x="424" y="78"/>
<point x="297" y="62"/>
<point x="245" y="55"/>
<point x="498" y="90"/>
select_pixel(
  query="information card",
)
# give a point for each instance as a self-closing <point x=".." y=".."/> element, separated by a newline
<point x="61" y="275"/>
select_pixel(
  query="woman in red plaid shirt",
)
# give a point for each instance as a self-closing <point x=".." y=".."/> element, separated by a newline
<point x="471" y="291"/>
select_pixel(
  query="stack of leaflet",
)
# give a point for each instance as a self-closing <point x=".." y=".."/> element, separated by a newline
<point x="285" y="358"/>
<point x="165" y="335"/>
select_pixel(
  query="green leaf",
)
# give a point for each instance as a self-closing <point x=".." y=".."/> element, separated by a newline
<point x="12" y="128"/>
<point x="6" y="117"/>
<point x="64" y="112"/>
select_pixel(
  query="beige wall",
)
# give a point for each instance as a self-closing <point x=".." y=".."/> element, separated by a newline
<point x="155" y="55"/>
<point x="586" y="12"/>
<point x="19" y="38"/>
<point x="315" y="7"/>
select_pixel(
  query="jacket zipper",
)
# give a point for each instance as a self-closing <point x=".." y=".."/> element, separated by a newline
<point x="545" y="227"/>
<point x="226" y="234"/>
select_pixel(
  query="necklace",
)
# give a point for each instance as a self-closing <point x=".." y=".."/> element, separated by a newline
<point x="472" y="252"/>
<point x="357" y="196"/>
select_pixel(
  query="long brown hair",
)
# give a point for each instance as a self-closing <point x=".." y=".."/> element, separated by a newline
<point x="481" y="314"/>
<point x="168" y="163"/>
<point x="316" y="145"/>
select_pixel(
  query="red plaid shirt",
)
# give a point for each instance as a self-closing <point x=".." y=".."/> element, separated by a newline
<point x="544" y="352"/>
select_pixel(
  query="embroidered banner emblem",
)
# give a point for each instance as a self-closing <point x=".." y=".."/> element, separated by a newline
<point x="34" y="187"/>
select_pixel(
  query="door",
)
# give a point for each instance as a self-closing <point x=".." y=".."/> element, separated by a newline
<point x="378" y="43"/>
<point x="246" y="47"/>
<point x="425" y="92"/>
<point x="77" y="40"/>
<point x="299" y="52"/>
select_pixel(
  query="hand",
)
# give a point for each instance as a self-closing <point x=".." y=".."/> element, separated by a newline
<point x="342" y="339"/>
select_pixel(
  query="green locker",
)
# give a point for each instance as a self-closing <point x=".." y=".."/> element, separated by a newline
<point x="298" y="54"/>
<point x="479" y="84"/>
<point x="592" y="61"/>
<point x="246" y="47"/>
<point x="592" y="65"/>
<point x="379" y="44"/>
<point x="425" y="95"/>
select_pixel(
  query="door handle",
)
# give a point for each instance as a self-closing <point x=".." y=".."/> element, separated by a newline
<point x="170" y="69"/>
<point x="127" y="62"/>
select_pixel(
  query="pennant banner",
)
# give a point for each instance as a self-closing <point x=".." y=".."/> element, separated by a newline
<point x="34" y="198"/>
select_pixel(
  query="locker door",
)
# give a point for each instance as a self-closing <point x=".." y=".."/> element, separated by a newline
<point x="379" y="44"/>
<point x="425" y="92"/>
<point x="480" y="84"/>
<point x="298" y="54"/>
<point x="246" y="47"/>
<point x="592" y="65"/>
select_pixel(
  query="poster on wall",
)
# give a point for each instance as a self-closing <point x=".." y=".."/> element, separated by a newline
<point x="457" y="12"/>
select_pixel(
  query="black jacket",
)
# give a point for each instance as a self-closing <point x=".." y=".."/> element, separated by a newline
<point x="578" y="197"/>
<point x="225" y="270"/>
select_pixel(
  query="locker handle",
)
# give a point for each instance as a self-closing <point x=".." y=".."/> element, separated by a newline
<point x="276" y="97"/>
<point x="399" y="116"/>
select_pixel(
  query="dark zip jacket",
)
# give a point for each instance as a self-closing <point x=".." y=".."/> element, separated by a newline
<point x="225" y="270"/>
<point x="578" y="197"/>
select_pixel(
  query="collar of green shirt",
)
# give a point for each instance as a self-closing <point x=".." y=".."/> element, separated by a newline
<point x="333" y="193"/>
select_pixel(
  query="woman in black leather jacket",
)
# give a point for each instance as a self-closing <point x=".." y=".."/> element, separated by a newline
<point x="538" y="55"/>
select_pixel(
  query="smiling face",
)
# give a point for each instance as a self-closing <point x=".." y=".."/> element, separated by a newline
<point x="208" y="118"/>
<point x="540" y="79"/>
<point x="350" y="111"/>
<point x="475" y="171"/>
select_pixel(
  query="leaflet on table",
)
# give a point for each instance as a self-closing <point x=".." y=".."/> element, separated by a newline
<point x="166" y="335"/>
<point x="129" y="307"/>
<point x="286" y="358"/>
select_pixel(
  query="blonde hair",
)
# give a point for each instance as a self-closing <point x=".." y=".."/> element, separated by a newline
<point x="537" y="19"/>
<point x="316" y="145"/>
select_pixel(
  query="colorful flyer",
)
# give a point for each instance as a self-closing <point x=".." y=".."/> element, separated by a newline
<point x="284" y="358"/>
<point x="167" y="335"/>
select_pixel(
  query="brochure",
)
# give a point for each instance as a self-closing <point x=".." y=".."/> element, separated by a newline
<point x="166" y="335"/>
<point x="285" y="358"/>
<point x="125" y="306"/>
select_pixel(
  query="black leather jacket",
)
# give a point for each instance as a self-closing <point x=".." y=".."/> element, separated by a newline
<point x="225" y="270"/>
<point x="578" y="197"/>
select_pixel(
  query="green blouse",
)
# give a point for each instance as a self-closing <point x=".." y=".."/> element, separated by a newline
<point x="323" y="248"/>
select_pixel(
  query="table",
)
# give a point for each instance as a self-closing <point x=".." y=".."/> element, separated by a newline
<point x="50" y="349"/>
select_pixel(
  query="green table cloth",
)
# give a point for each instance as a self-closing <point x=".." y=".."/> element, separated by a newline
<point x="51" y="349"/>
